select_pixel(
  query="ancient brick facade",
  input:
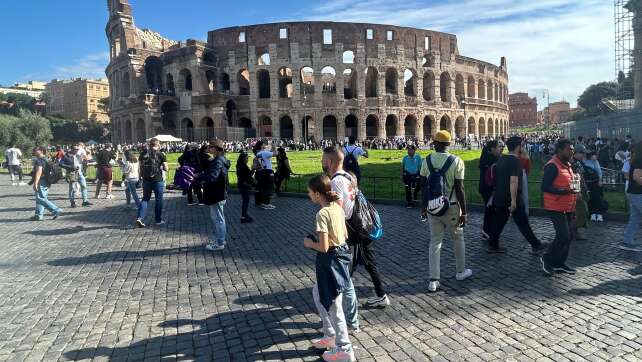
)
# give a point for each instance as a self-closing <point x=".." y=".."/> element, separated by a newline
<point x="522" y="110"/>
<point x="300" y="80"/>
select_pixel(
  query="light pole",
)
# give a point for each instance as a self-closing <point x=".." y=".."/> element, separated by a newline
<point x="547" y="94"/>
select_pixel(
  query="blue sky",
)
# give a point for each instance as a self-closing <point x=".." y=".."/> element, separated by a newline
<point x="562" y="45"/>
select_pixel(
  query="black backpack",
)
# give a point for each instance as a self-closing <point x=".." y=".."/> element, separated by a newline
<point x="151" y="164"/>
<point x="350" y="163"/>
<point x="52" y="172"/>
<point x="435" y="200"/>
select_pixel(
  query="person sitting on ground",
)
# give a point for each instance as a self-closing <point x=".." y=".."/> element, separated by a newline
<point x="332" y="277"/>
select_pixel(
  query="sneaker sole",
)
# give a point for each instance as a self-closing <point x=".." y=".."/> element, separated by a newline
<point x="548" y="272"/>
<point x="630" y="248"/>
<point x="563" y="271"/>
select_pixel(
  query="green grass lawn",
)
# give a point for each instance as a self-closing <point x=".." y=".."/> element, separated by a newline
<point x="381" y="175"/>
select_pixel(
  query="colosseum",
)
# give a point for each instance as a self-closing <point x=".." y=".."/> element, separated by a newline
<point x="299" y="80"/>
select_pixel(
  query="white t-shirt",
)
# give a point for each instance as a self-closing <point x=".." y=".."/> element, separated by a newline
<point x="343" y="187"/>
<point x="13" y="156"/>
<point x="357" y="151"/>
<point x="266" y="156"/>
<point x="80" y="157"/>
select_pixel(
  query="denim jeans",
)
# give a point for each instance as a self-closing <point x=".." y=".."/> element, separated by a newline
<point x="42" y="202"/>
<point x="350" y="304"/>
<point x="83" y="189"/>
<point x="635" y="216"/>
<point x="334" y="323"/>
<point x="217" y="214"/>
<point x="130" y="192"/>
<point x="157" y="187"/>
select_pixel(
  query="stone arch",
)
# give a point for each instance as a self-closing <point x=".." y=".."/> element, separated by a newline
<point x="169" y="116"/>
<point x="372" y="126"/>
<point x="481" y="89"/>
<point x="154" y="74"/>
<point x="352" y="126"/>
<point x="472" y="129"/>
<point x="307" y="80"/>
<point x="243" y="80"/>
<point x="124" y="85"/>
<point x="372" y="82"/>
<point x="429" y="85"/>
<point x="263" y="82"/>
<point x="460" y="91"/>
<point x="329" y="127"/>
<point x="169" y="84"/>
<point x="208" y="124"/>
<point x="444" y="86"/>
<point x="185" y="80"/>
<point x="224" y="83"/>
<point x="391" y="125"/>
<point x="410" y="83"/>
<point x="230" y="112"/>
<point x="492" y="126"/>
<point x="286" y="128"/>
<point x="128" y="131"/>
<point x="483" y="127"/>
<point x="286" y="89"/>
<point x="471" y="87"/>
<point x="348" y="57"/>
<point x="445" y="124"/>
<point x="349" y="84"/>
<point x="496" y="93"/>
<point x="489" y="90"/>
<point x="429" y="126"/>
<point x="188" y="127"/>
<point x="210" y="77"/>
<point x="392" y="80"/>
<point x="329" y="79"/>
<point x="307" y="127"/>
<point x="410" y="126"/>
<point x="245" y="122"/>
<point x="141" y="134"/>
<point x="460" y="127"/>
<point x="265" y="126"/>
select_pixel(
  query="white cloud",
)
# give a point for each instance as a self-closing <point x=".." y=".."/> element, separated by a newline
<point x="91" y="66"/>
<point x="561" y="45"/>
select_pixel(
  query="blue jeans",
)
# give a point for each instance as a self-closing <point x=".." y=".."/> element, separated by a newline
<point x="350" y="305"/>
<point x="83" y="189"/>
<point x="217" y="213"/>
<point x="157" y="187"/>
<point x="635" y="216"/>
<point x="42" y="202"/>
<point x="130" y="192"/>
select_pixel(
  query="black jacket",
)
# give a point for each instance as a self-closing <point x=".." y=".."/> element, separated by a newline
<point x="215" y="181"/>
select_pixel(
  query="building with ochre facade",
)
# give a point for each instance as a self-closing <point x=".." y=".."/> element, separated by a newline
<point x="299" y="80"/>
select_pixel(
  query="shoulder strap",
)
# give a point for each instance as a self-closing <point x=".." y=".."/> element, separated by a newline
<point x="347" y="176"/>
<point x="429" y="163"/>
<point x="449" y="161"/>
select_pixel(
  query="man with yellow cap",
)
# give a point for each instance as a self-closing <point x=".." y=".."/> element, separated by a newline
<point x="445" y="205"/>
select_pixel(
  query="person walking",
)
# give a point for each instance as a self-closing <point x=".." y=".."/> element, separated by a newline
<point x="581" y="207"/>
<point x="634" y="197"/>
<point x="245" y="184"/>
<point x="131" y="168"/>
<point x="72" y="171"/>
<point x="104" y="174"/>
<point x="283" y="169"/>
<point x="490" y="155"/>
<point x="410" y="167"/>
<point x="41" y="186"/>
<point x="152" y="165"/>
<point x="593" y="179"/>
<point x="351" y="153"/>
<point x="264" y="174"/>
<point x="508" y="199"/>
<point x="451" y="170"/>
<point x="560" y="186"/>
<point x="332" y="276"/>
<point x="215" y="182"/>
<point x="13" y="157"/>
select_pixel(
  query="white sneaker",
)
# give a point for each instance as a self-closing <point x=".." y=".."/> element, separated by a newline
<point x="162" y="222"/>
<point x="109" y="197"/>
<point x="467" y="273"/>
<point x="593" y="217"/>
<point x="600" y="218"/>
<point x="378" y="301"/>
<point x="270" y="207"/>
<point x="339" y="354"/>
<point x="433" y="286"/>
<point x="214" y="247"/>
<point x="22" y="183"/>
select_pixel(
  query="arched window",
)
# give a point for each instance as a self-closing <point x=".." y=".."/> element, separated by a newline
<point x="265" y="126"/>
<point x="459" y="87"/>
<point x="286" y="128"/>
<point x="263" y="79"/>
<point x="243" y="79"/>
<point x="264" y="59"/>
<point x="471" y="87"/>
<point x="329" y="79"/>
<point x="391" y="125"/>
<point x="169" y="84"/>
<point x="348" y="57"/>
<point x="230" y="113"/>
<point x="444" y="87"/>
<point x="410" y="83"/>
<point x="460" y="127"/>
<point x="351" y="126"/>
<point x="329" y="127"/>
<point x="391" y="81"/>
<point x="286" y="89"/>
<point x="153" y="74"/>
<point x="125" y="85"/>
<point x="372" y="79"/>
<point x="481" y="90"/>
<point x="349" y="84"/>
<point x="224" y="83"/>
<point x="429" y="86"/>
<point x="210" y="76"/>
<point x="372" y="125"/>
<point x="410" y="126"/>
<point x="185" y="82"/>
<point x="307" y="81"/>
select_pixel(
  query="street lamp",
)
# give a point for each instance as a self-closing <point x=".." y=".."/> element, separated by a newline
<point x="547" y="94"/>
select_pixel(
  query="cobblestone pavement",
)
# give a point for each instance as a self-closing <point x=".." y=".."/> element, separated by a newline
<point x="89" y="286"/>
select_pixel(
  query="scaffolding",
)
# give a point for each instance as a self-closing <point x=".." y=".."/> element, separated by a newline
<point x="624" y="64"/>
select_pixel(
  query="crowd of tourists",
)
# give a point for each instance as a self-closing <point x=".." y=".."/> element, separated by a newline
<point x="346" y="225"/>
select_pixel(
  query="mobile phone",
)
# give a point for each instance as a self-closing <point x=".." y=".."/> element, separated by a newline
<point x="312" y="237"/>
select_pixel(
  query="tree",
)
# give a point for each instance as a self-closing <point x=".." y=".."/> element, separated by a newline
<point x="26" y="130"/>
<point x="592" y="97"/>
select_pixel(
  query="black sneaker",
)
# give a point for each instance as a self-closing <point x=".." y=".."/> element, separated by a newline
<point x="497" y="250"/>
<point x="565" y="269"/>
<point x="245" y="220"/>
<point x="548" y="270"/>
<point x="140" y="223"/>
<point x="86" y="203"/>
<point x="73" y="205"/>
<point x="538" y="250"/>
<point x="409" y="205"/>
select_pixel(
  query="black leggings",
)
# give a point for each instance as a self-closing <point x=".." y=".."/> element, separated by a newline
<point x="363" y="253"/>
